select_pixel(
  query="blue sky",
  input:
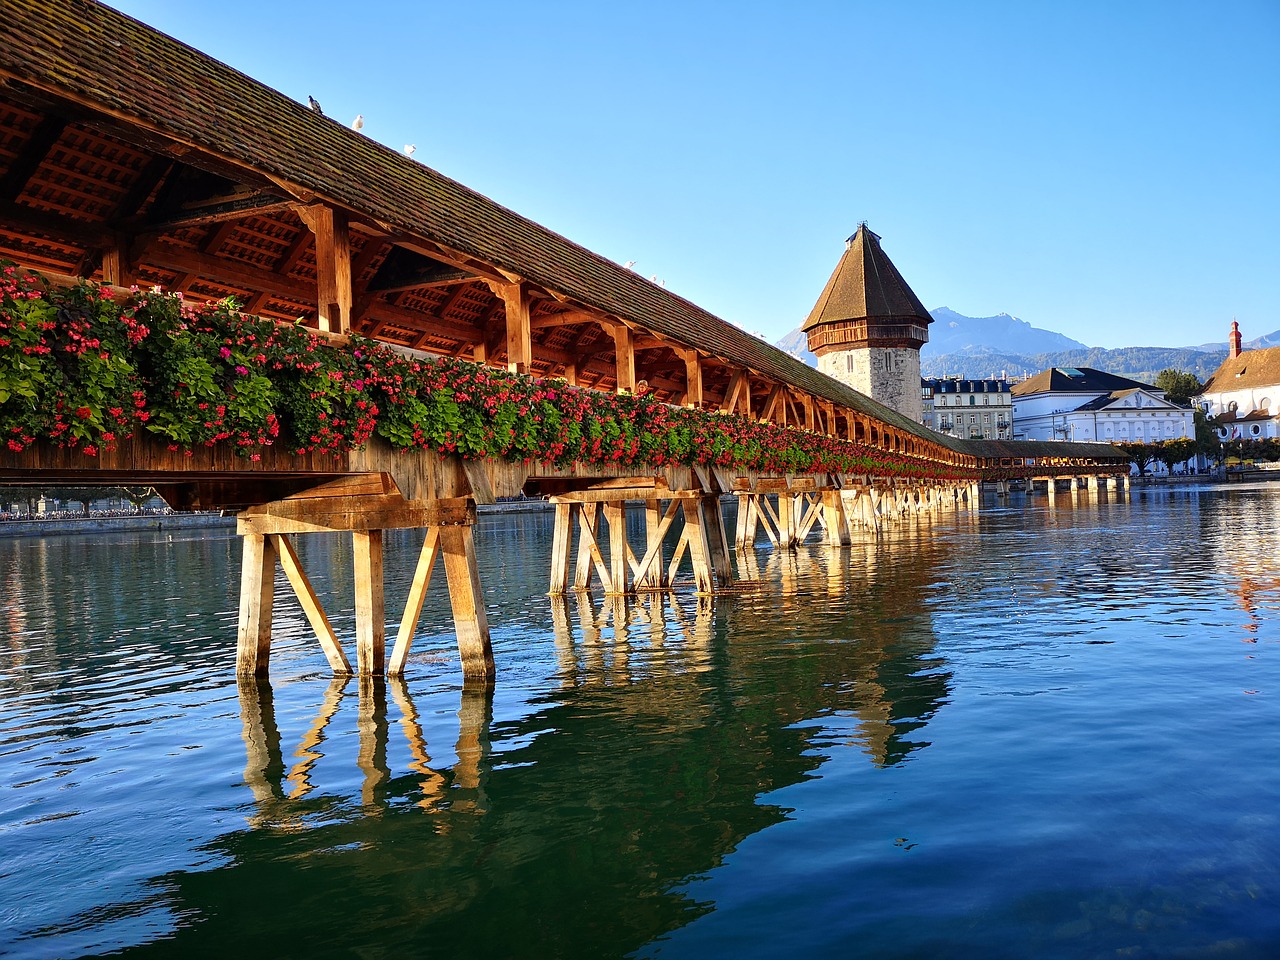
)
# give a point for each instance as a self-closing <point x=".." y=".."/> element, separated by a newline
<point x="1107" y="170"/>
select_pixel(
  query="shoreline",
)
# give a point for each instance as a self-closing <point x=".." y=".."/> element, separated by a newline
<point x="161" y="522"/>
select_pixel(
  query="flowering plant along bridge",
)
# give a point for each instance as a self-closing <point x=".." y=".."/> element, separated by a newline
<point x="214" y="290"/>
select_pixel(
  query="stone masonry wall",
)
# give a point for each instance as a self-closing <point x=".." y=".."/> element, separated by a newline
<point x="890" y="375"/>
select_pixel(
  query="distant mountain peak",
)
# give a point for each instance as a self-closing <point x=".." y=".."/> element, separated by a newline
<point x="1007" y="345"/>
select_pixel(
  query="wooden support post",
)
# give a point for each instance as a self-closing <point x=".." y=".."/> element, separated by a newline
<point x="786" y="521"/>
<point x="306" y="595"/>
<point x="515" y="297"/>
<point x="371" y="612"/>
<point x="413" y="604"/>
<point x="717" y="539"/>
<point x="624" y="349"/>
<point x="457" y="543"/>
<point x="768" y="517"/>
<point x="257" y="594"/>
<point x="333" y="265"/>
<point x="117" y="270"/>
<point x="589" y="556"/>
<point x="650" y="572"/>
<point x="693" y="380"/>
<point x="699" y="549"/>
<point x="834" y="516"/>
<point x="745" y="534"/>
<point x="561" y="548"/>
<point x="650" y="577"/>
<point x="874" y="500"/>
<point x="615" y="515"/>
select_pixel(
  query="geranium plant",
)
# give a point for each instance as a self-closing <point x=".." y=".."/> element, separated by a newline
<point x="80" y="368"/>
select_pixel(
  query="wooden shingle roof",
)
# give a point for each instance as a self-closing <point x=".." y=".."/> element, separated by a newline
<point x="866" y="285"/>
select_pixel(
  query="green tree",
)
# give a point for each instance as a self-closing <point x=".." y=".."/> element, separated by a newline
<point x="1142" y="455"/>
<point x="1207" y="440"/>
<point x="1179" y="386"/>
<point x="1173" y="452"/>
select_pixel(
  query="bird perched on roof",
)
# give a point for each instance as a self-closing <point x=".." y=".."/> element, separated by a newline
<point x="409" y="148"/>
<point x="628" y="265"/>
<point x="315" y="105"/>
<point x="358" y="122"/>
<point x="654" y="279"/>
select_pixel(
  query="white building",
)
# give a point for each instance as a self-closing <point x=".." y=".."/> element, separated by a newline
<point x="1066" y="403"/>
<point x="1242" y="398"/>
<point x="968" y="409"/>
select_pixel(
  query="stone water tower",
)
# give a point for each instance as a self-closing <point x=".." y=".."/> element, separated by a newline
<point x="868" y="326"/>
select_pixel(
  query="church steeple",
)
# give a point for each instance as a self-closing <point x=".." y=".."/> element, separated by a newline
<point x="868" y="326"/>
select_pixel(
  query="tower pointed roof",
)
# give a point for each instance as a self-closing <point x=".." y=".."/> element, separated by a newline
<point x="866" y="285"/>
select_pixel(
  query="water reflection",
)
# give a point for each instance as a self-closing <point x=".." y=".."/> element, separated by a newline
<point x="574" y="828"/>
<point x="276" y="785"/>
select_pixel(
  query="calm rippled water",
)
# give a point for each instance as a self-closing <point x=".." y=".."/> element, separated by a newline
<point x="1022" y="733"/>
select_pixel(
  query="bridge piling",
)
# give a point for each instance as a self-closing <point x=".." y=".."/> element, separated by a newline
<point x="362" y="506"/>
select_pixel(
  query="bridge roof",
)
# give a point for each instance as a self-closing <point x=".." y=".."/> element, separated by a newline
<point x="96" y="57"/>
<point x="1002" y="449"/>
<point x="866" y="285"/>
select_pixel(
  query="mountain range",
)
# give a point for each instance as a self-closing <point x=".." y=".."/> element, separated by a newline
<point x="1004" y="345"/>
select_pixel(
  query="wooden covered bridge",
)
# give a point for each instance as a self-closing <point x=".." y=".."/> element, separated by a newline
<point x="134" y="161"/>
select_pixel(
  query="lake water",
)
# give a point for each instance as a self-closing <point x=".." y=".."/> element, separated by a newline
<point x="1026" y="732"/>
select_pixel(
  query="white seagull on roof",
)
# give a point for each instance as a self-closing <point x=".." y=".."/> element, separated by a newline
<point x="409" y="148"/>
<point x="358" y="122"/>
<point x="628" y="265"/>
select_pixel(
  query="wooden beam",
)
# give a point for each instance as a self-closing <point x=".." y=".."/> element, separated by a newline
<point x="333" y="265"/>
<point x="228" y="271"/>
<point x="408" y="270"/>
<point x="625" y="358"/>
<point x="311" y="606"/>
<point x="144" y="184"/>
<point x="235" y="206"/>
<point x="257" y="595"/>
<point x="771" y="403"/>
<point x="413" y="604"/>
<point x="216" y="238"/>
<point x="30" y="156"/>
<point x="371" y="613"/>
<point x="571" y="318"/>
<point x="117" y="268"/>
<point x="457" y="543"/>
<point x="515" y="298"/>
<point x="356" y="513"/>
<point x="733" y="391"/>
<point x="61" y="228"/>
<point x="693" y="379"/>
<point x="381" y="312"/>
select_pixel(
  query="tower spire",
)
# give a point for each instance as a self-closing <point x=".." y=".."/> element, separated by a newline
<point x="868" y="326"/>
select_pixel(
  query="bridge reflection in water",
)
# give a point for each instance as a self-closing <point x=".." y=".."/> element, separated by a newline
<point x="648" y="758"/>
